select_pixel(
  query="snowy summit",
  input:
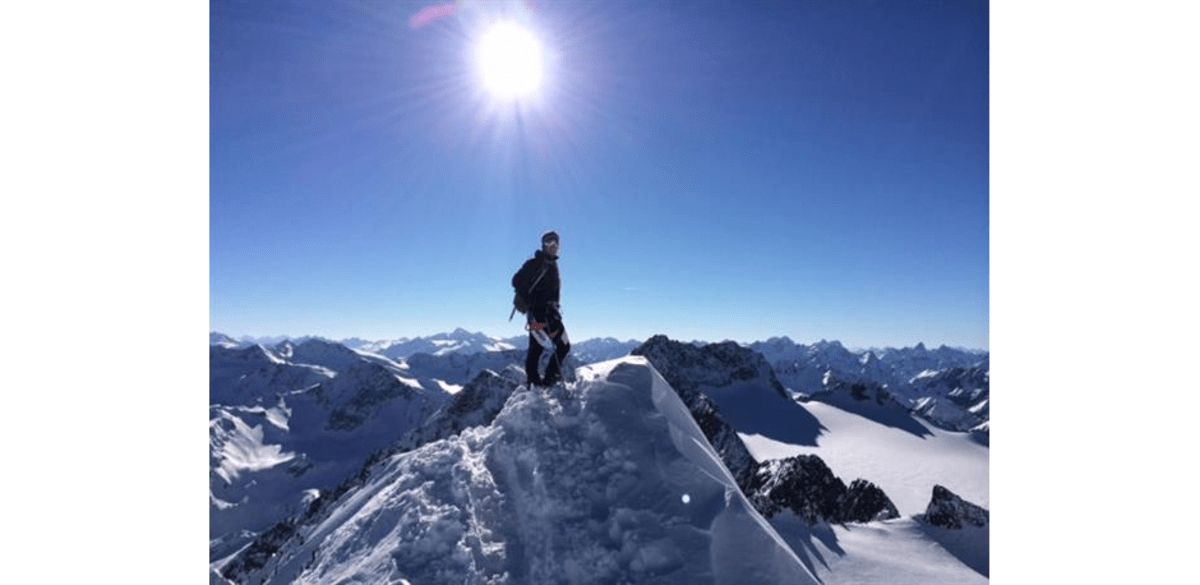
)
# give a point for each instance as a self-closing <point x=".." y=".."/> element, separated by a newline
<point x="607" y="481"/>
<point x="678" y="463"/>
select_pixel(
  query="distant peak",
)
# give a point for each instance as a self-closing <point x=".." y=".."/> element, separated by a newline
<point x="824" y="344"/>
<point x="316" y="342"/>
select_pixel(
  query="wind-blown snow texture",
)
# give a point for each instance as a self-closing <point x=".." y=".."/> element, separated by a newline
<point x="609" y="481"/>
<point x="291" y="421"/>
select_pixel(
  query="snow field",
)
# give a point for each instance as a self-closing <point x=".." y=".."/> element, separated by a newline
<point x="904" y="465"/>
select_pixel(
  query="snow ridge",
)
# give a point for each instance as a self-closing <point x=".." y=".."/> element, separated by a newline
<point x="481" y="470"/>
<point x="608" y="480"/>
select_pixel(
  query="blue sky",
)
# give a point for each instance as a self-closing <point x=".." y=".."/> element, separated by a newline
<point x="717" y="170"/>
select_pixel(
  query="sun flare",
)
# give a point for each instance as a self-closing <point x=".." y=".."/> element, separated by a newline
<point x="510" y="61"/>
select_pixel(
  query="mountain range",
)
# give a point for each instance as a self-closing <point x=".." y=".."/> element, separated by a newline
<point x="399" y="465"/>
<point x="460" y="341"/>
<point x="946" y="386"/>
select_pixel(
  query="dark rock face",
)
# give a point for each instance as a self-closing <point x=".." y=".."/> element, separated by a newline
<point x="687" y="367"/>
<point x="807" y="487"/>
<point x="865" y="502"/>
<point x="802" y="484"/>
<point x="947" y="510"/>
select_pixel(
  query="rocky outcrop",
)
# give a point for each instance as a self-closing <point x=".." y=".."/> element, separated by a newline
<point x="857" y="391"/>
<point x="807" y="487"/>
<point x="947" y="510"/>
<point x="687" y="367"/>
<point x="866" y="502"/>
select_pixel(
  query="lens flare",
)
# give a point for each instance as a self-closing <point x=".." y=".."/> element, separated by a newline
<point x="431" y="13"/>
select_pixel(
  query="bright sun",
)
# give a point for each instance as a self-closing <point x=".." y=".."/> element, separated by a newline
<point x="510" y="61"/>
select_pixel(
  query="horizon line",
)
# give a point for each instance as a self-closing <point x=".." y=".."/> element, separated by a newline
<point x="281" y="338"/>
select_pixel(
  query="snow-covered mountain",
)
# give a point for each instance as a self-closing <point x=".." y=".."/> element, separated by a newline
<point x="957" y="398"/>
<point x="859" y="429"/>
<point x="323" y="467"/>
<point x="291" y="421"/>
<point x="607" y="481"/>
<point x="222" y="340"/>
<point x="459" y="341"/>
<point x="453" y="370"/>
<point x="802" y="368"/>
<point x="288" y="422"/>
<point x="948" y="387"/>
<point x="600" y="349"/>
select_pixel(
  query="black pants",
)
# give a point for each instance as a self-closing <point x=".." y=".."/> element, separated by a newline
<point x="562" y="345"/>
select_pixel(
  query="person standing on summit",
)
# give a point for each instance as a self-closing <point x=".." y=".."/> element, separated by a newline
<point x="537" y="286"/>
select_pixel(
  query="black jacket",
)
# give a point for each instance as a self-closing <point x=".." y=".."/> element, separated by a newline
<point x="543" y="297"/>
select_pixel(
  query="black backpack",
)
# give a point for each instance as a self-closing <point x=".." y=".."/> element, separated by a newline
<point x="520" y="291"/>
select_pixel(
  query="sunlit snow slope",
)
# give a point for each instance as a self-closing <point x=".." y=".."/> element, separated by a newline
<point x="906" y="465"/>
<point x="609" y="481"/>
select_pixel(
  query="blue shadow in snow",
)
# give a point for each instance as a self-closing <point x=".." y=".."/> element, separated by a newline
<point x="761" y="411"/>
<point x="970" y="544"/>
<point x="888" y="414"/>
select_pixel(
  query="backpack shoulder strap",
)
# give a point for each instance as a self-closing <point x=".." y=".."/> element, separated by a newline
<point x="545" y="268"/>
